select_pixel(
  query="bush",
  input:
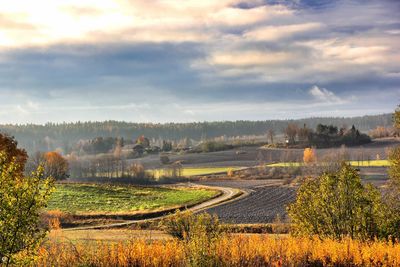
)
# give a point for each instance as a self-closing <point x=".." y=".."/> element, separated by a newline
<point x="337" y="205"/>
<point x="309" y="156"/>
<point x="199" y="233"/>
<point x="136" y="170"/>
<point x="48" y="218"/>
<point x="186" y="226"/>
<point x="212" y="146"/>
<point x="164" y="159"/>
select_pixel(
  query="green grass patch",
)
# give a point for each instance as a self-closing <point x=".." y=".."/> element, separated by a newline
<point x="371" y="163"/>
<point x="110" y="199"/>
<point x="187" y="172"/>
<point x="365" y="163"/>
<point x="286" y="164"/>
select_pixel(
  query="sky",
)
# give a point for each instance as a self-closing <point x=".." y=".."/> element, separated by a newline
<point x="192" y="60"/>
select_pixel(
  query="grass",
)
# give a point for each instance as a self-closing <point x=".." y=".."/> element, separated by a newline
<point x="230" y="250"/>
<point x="371" y="163"/>
<point x="108" y="235"/>
<point x="187" y="172"/>
<point x="113" y="199"/>
<point x="364" y="163"/>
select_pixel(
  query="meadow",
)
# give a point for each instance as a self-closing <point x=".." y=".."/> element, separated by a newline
<point x="195" y="171"/>
<point x="354" y="163"/>
<point x="115" y="199"/>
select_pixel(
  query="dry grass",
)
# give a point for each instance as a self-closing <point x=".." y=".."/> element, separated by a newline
<point x="109" y="235"/>
<point x="233" y="250"/>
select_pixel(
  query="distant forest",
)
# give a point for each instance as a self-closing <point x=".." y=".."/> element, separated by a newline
<point x="64" y="135"/>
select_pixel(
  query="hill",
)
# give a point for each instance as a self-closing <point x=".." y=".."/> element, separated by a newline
<point x="62" y="135"/>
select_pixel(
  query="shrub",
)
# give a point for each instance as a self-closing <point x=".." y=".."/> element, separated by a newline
<point x="309" y="156"/>
<point x="336" y="205"/>
<point x="136" y="170"/>
<point x="164" y="159"/>
<point x="213" y="146"/>
<point x="48" y="218"/>
<point x="199" y="233"/>
<point x="185" y="225"/>
<point x="230" y="173"/>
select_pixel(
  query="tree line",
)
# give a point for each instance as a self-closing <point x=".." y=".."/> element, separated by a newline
<point x="324" y="136"/>
<point x="51" y="136"/>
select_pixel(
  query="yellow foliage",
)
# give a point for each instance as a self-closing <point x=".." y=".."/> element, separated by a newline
<point x="309" y="156"/>
<point x="230" y="250"/>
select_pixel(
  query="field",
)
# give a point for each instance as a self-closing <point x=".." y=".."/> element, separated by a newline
<point x="195" y="171"/>
<point x="114" y="199"/>
<point x="265" y="201"/>
<point x="354" y="163"/>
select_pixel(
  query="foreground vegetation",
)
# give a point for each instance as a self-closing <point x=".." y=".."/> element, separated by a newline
<point x="96" y="198"/>
<point x="234" y="250"/>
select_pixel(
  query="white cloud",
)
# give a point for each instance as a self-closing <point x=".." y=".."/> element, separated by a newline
<point x="273" y="33"/>
<point x="322" y="94"/>
<point x="47" y="22"/>
<point x="248" y="58"/>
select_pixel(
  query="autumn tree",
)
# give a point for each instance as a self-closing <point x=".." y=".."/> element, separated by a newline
<point x="271" y="135"/>
<point x="337" y="205"/>
<point x="21" y="200"/>
<point x="136" y="170"/>
<point x="291" y="132"/>
<point x="55" y="165"/>
<point x="309" y="156"/>
<point x="393" y="197"/>
<point x="304" y="133"/>
<point x="142" y="140"/>
<point x="9" y="145"/>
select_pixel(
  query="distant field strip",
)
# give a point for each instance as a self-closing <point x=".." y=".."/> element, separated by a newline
<point x="187" y="172"/>
<point x="112" y="199"/>
<point x="364" y="163"/>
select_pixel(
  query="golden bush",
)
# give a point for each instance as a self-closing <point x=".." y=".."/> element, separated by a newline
<point x="309" y="156"/>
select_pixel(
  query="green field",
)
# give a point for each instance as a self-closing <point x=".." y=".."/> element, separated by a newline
<point x="187" y="172"/>
<point x="365" y="163"/>
<point x="112" y="199"/>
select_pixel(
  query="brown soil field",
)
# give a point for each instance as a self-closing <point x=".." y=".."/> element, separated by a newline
<point x="265" y="201"/>
<point x="251" y="156"/>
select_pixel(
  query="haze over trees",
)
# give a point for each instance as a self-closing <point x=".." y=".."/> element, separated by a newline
<point x="66" y="135"/>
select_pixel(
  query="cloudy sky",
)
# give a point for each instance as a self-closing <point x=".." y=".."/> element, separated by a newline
<point x="195" y="60"/>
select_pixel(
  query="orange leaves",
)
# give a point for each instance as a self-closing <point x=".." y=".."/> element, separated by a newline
<point x="55" y="165"/>
<point x="53" y="157"/>
<point x="309" y="156"/>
